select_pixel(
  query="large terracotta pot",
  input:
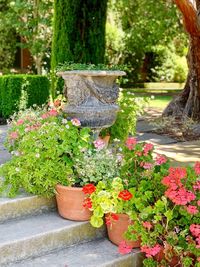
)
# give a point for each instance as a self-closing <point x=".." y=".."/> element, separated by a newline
<point x="70" y="203"/>
<point x="117" y="229"/>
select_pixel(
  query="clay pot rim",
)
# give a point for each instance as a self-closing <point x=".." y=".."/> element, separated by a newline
<point x="70" y="188"/>
<point x="123" y="215"/>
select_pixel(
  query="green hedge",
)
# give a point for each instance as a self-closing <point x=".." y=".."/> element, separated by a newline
<point x="22" y="91"/>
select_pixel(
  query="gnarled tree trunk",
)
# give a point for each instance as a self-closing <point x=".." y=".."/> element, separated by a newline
<point x="187" y="104"/>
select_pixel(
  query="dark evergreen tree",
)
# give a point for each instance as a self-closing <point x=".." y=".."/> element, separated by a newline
<point x="79" y="31"/>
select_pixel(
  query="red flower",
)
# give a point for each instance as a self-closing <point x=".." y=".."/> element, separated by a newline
<point x="197" y="168"/>
<point x="87" y="203"/>
<point x="88" y="189"/>
<point x="151" y="251"/>
<point x="125" y="195"/>
<point x="147" y="225"/>
<point x="114" y="216"/>
<point x="124" y="248"/>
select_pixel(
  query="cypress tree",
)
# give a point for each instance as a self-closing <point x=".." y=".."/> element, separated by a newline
<point x="79" y="31"/>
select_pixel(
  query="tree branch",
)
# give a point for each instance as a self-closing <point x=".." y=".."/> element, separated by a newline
<point x="190" y="16"/>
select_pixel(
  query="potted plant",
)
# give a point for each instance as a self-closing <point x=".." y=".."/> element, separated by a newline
<point x="109" y="198"/>
<point x="94" y="165"/>
<point x="170" y="230"/>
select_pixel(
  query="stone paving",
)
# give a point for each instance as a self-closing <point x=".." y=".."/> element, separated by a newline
<point x="4" y="155"/>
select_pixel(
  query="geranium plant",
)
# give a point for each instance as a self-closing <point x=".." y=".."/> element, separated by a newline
<point x="107" y="198"/>
<point x="170" y="229"/>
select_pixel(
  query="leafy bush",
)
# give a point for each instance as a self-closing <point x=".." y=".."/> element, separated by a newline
<point x="125" y="124"/>
<point x="22" y="91"/>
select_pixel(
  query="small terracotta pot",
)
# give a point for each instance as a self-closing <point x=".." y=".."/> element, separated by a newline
<point x="117" y="229"/>
<point x="174" y="261"/>
<point x="70" y="203"/>
<point x="106" y="139"/>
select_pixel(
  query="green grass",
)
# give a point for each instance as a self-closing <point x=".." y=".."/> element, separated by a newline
<point x="159" y="98"/>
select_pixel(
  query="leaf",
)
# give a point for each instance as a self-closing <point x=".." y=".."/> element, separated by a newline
<point x="96" y="221"/>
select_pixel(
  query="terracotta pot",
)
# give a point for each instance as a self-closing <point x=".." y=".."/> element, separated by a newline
<point x="70" y="203"/>
<point x="106" y="139"/>
<point x="173" y="263"/>
<point x="117" y="229"/>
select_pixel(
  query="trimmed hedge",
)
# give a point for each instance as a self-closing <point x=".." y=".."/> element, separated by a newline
<point x="22" y="91"/>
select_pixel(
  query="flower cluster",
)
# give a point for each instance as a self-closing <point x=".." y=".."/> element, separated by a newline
<point x="195" y="231"/>
<point x="151" y="251"/>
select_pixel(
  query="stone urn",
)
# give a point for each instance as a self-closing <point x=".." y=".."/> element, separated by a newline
<point x="91" y="96"/>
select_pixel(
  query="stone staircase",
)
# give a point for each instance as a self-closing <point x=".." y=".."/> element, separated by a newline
<point x="32" y="234"/>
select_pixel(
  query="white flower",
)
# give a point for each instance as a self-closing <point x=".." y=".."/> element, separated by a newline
<point x="152" y="96"/>
<point x="67" y="126"/>
<point x="37" y="155"/>
<point x="64" y="121"/>
<point x="75" y="122"/>
<point x="17" y="169"/>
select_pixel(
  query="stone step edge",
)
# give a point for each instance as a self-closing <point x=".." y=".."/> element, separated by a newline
<point x="26" y="205"/>
<point x="49" y="241"/>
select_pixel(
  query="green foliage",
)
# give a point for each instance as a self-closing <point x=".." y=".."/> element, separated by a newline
<point x="96" y="166"/>
<point x="22" y="91"/>
<point x="79" y="31"/>
<point x="125" y="124"/>
<point x="31" y="20"/>
<point x="37" y="169"/>
<point x="7" y="40"/>
<point x="140" y="26"/>
<point x="66" y="66"/>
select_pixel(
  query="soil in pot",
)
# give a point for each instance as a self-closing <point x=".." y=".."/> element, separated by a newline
<point x="117" y="229"/>
<point x="70" y="203"/>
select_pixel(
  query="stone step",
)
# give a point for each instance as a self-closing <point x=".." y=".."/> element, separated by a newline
<point x="98" y="253"/>
<point x="31" y="236"/>
<point x="23" y="205"/>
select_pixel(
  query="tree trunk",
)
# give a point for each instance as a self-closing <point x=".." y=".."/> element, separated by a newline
<point x="187" y="104"/>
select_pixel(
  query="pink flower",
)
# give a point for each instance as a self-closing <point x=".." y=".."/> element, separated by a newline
<point x="53" y="113"/>
<point x="196" y="186"/>
<point x="76" y="122"/>
<point x="197" y="168"/>
<point x="99" y="144"/>
<point x="20" y="122"/>
<point x="131" y="142"/>
<point x="198" y="202"/>
<point x="138" y="153"/>
<point x="160" y="159"/>
<point x="146" y="165"/>
<point x="151" y="251"/>
<point x="195" y="230"/>
<point x="14" y="135"/>
<point x="147" y="147"/>
<point x="45" y="116"/>
<point x="192" y="209"/>
<point x="147" y="225"/>
<point x="124" y="248"/>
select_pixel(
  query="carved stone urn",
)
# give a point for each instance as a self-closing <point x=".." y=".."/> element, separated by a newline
<point x="91" y="96"/>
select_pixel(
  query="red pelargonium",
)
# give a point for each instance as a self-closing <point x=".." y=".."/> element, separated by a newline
<point x="197" y="168"/>
<point x="151" y="251"/>
<point x="125" y="195"/>
<point x="87" y="203"/>
<point x="88" y="189"/>
<point x="124" y="248"/>
<point x="111" y="217"/>
<point x="131" y="142"/>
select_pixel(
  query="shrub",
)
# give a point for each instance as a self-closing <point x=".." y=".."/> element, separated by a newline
<point x="22" y="91"/>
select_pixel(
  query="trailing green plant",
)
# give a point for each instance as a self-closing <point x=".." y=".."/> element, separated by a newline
<point x="125" y="124"/>
<point x="81" y="66"/>
<point x="38" y="168"/>
<point x="22" y="91"/>
<point x="96" y="165"/>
